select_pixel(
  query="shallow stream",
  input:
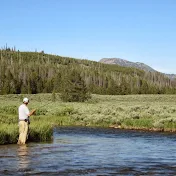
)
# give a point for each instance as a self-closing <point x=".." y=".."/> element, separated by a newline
<point x="93" y="151"/>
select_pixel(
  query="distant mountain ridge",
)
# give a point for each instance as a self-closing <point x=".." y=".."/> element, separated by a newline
<point x="171" y="76"/>
<point x="138" y="65"/>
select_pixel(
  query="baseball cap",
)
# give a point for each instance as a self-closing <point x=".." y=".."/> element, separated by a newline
<point x="25" y="100"/>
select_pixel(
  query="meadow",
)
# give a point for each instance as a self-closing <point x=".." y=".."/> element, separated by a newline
<point x="143" y="112"/>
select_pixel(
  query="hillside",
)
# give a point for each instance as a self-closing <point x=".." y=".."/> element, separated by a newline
<point x="34" y="72"/>
<point x="125" y="63"/>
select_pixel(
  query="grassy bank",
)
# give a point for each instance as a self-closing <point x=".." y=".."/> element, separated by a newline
<point x="148" y="112"/>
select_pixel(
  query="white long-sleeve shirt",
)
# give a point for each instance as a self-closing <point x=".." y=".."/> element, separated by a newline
<point x="23" y="112"/>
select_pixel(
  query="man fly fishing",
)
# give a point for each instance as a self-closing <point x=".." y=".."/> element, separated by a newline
<point x="24" y="115"/>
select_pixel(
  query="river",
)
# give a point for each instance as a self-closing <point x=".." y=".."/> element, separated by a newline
<point x="93" y="151"/>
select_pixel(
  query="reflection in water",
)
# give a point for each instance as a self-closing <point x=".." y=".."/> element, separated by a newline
<point x="23" y="156"/>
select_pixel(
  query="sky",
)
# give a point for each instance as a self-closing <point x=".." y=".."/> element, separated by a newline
<point x="135" y="30"/>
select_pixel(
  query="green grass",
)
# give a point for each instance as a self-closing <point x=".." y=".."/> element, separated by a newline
<point x="148" y="112"/>
<point x="8" y="133"/>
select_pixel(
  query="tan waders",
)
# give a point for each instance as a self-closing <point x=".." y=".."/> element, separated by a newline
<point x="23" y="132"/>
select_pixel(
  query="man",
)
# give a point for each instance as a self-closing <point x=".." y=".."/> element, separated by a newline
<point x="24" y="115"/>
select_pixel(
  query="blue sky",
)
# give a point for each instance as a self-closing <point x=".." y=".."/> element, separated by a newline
<point x="135" y="30"/>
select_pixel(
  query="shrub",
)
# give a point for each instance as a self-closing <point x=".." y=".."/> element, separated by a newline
<point x="9" y="109"/>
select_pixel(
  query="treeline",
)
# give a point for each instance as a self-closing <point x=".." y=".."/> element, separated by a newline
<point x="37" y="72"/>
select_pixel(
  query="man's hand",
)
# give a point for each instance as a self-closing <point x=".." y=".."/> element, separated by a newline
<point x="32" y="112"/>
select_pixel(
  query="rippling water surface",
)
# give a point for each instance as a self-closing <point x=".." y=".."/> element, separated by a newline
<point x="93" y="151"/>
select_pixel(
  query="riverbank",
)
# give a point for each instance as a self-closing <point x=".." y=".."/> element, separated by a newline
<point x="139" y="112"/>
<point x="144" y="129"/>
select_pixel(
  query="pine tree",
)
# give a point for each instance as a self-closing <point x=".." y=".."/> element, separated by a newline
<point x="74" y="88"/>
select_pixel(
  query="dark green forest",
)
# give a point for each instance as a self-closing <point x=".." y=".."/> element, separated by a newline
<point x="37" y="72"/>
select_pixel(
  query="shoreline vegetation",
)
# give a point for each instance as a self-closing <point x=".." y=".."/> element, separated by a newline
<point x="135" y="112"/>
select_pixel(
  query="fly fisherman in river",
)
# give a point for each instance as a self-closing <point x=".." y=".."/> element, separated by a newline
<point x="24" y="115"/>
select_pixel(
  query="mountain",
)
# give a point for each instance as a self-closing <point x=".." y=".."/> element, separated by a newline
<point x="138" y="65"/>
<point x="125" y="63"/>
<point x="171" y="76"/>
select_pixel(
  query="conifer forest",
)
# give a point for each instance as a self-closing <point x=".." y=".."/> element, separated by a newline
<point x="37" y="72"/>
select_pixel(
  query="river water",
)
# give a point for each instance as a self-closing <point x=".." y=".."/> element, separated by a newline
<point x="93" y="151"/>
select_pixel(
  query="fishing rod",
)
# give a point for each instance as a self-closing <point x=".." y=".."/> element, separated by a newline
<point x="44" y="105"/>
<point x="39" y="107"/>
